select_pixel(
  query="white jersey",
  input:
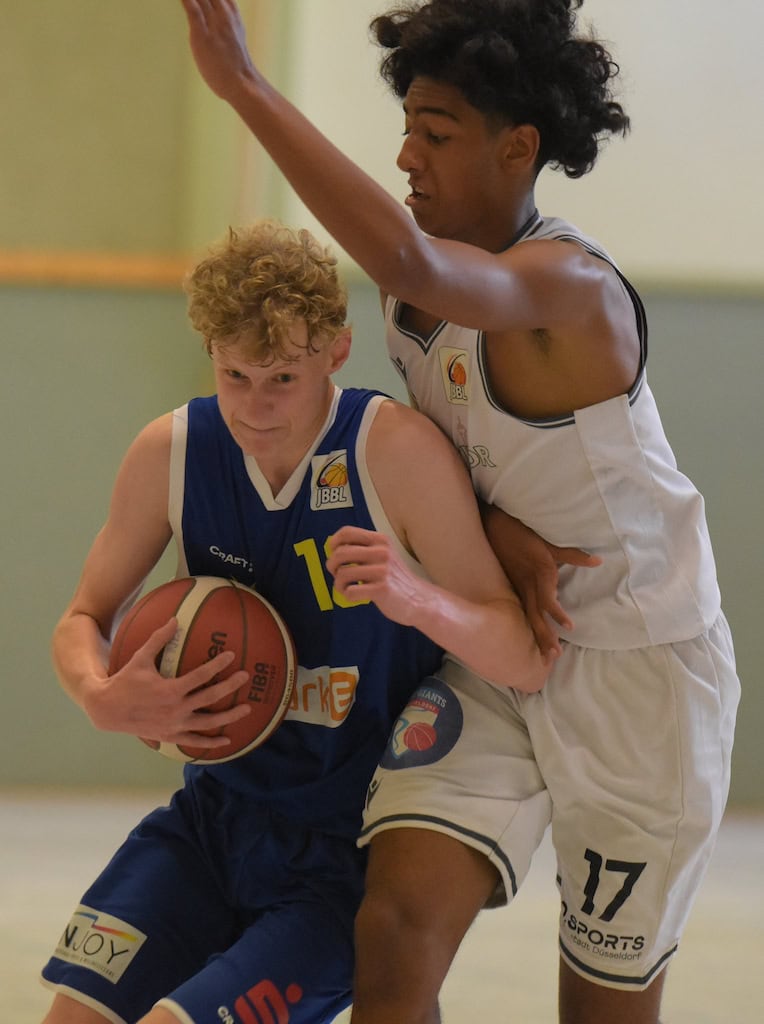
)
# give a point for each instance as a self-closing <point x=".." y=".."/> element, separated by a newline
<point x="602" y="478"/>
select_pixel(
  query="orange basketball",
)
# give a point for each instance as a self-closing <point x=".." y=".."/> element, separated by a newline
<point x="215" y="615"/>
<point x="335" y="475"/>
<point x="419" y="736"/>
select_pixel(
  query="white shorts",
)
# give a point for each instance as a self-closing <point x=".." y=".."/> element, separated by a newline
<point x="626" y="753"/>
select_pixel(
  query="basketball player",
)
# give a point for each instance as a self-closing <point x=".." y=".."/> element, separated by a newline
<point x="237" y="902"/>
<point x="519" y="336"/>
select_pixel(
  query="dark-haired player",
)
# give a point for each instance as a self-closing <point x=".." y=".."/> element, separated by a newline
<point x="519" y="336"/>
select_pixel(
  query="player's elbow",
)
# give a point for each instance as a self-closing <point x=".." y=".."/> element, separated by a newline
<point x="525" y="671"/>
<point x="535" y="679"/>
<point x="408" y="270"/>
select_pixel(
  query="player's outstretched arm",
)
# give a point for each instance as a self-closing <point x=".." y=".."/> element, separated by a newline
<point x="135" y="700"/>
<point x="467" y="605"/>
<point x="461" y="283"/>
<point x="350" y="204"/>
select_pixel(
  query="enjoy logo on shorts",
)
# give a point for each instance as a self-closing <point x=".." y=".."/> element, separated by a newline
<point x="99" y="942"/>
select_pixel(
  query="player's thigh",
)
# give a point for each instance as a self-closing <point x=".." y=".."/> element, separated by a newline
<point x="152" y="918"/>
<point x="65" y="1010"/>
<point x="460" y="764"/>
<point x="159" y="1015"/>
<point x="293" y="962"/>
<point x="411" y="869"/>
<point x="583" y="1002"/>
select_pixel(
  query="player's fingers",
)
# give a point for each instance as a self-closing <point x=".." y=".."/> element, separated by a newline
<point x="544" y="634"/>
<point x="204" y="673"/>
<point x="207" y="721"/>
<point x="354" y="558"/>
<point x="189" y="738"/>
<point x="549" y="657"/>
<point x="547" y="640"/>
<point x="575" y="556"/>
<point x="194" y="11"/>
<point x="540" y="596"/>
<point x="355" y="574"/>
<point x="158" y="640"/>
<point x="341" y="564"/>
<point x="355" y="538"/>
<point x="554" y="609"/>
<point x="211" y="693"/>
<point x="352" y="534"/>
<point x="373" y="555"/>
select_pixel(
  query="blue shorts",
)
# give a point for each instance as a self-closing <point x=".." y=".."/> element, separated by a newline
<point x="221" y="910"/>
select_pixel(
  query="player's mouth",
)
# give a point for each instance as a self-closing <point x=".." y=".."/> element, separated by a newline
<point x="415" y="196"/>
<point x="256" y="432"/>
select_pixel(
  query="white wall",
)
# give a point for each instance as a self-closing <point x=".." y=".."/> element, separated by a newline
<point x="678" y="201"/>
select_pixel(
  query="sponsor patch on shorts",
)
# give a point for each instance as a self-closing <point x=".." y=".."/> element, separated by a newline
<point x="99" y="942"/>
<point x="427" y="729"/>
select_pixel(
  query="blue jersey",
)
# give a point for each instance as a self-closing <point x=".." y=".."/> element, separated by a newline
<point x="356" y="667"/>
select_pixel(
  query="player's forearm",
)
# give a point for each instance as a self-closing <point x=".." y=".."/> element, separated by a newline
<point x="373" y="228"/>
<point x="493" y="638"/>
<point x="80" y="658"/>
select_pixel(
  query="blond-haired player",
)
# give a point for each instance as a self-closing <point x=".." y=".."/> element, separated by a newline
<point x="236" y="903"/>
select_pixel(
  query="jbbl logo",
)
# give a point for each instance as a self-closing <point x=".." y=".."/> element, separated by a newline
<point x="453" y="364"/>
<point x="330" y="481"/>
<point x="330" y="495"/>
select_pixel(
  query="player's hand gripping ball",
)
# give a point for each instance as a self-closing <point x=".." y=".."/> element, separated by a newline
<point x="216" y="615"/>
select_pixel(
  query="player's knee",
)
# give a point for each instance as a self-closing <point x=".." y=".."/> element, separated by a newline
<point x="400" y="962"/>
<point x="386" y="921"/>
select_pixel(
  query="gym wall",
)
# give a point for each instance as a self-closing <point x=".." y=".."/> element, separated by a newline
<point x="117" y="167"/>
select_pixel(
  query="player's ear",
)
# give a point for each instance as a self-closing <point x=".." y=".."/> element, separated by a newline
<point x="340" y="349"/>
<point x="521" y="146"/>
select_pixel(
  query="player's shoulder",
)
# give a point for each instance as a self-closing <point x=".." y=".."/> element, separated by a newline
<point x="158" y="431"/>
<point x="153" y="442"/>
<point x="398" y="419"/>
<point x="557" y="234"/>
<point x="399" y="432"/>
<point x="145" y="468"/>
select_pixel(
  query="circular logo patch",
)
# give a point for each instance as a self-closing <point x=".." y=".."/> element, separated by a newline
<point x="427" y="728"/>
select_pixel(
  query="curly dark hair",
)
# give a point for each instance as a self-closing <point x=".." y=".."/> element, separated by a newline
<point x="516" y="61"/>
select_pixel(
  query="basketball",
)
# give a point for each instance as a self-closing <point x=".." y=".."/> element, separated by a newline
<point x="335" y="475"/>
<point x="215" y="615"/>
<point x="419" y="736"/>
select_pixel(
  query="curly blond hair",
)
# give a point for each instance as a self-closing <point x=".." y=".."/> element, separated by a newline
<point x="257" y="282"/>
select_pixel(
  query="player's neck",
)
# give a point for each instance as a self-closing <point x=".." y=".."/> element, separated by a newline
<point x="516" y="225"/>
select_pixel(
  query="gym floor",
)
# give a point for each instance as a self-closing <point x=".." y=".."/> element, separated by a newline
<point x="54" y="842"/>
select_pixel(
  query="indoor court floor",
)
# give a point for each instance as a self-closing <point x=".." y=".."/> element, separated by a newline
<point x="52" y="843"/>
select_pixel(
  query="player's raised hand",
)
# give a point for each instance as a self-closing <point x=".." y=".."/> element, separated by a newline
<point x="219" y="45"/>
<point x="139" y="701"/>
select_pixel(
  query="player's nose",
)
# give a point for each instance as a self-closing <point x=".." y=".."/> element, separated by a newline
<point x="409" y="156"/>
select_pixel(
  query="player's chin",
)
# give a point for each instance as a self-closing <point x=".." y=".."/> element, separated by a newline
<point x="430" y="225"/>
<point x="423" y="219"/>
